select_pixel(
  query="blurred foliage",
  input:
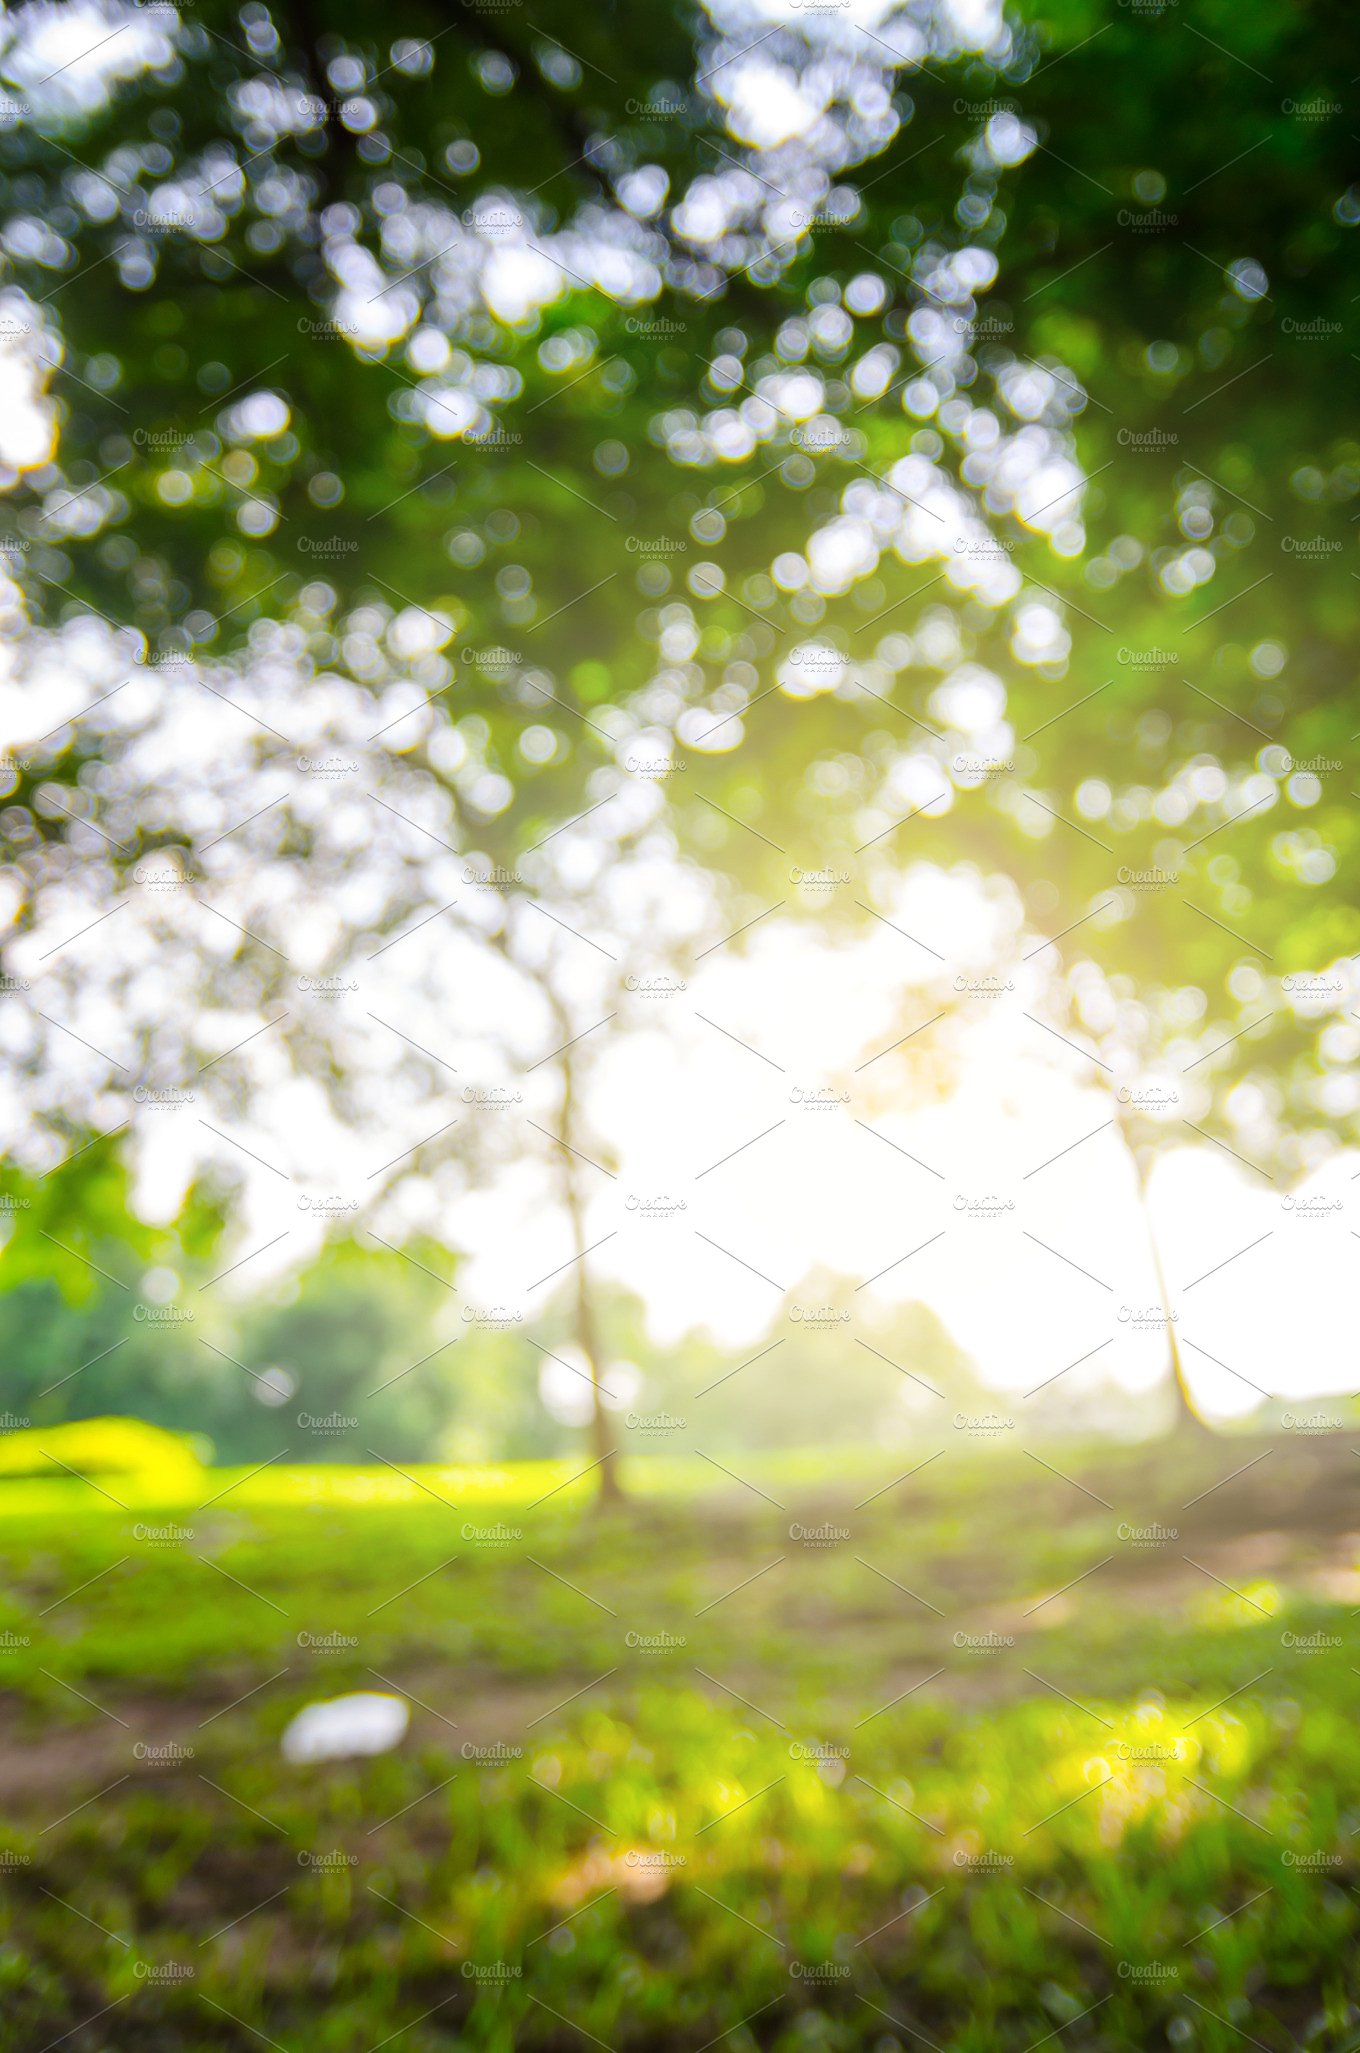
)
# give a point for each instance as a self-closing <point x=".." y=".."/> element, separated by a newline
<point x="1190" y="275"/>
<point x="159" y="1462"/>
<point x="1119" y="242"/>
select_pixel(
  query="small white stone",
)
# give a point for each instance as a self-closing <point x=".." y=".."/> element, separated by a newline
<point x="365" y="1723"/>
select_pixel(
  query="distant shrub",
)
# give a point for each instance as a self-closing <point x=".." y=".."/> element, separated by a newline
<point x="101" y="1447"/>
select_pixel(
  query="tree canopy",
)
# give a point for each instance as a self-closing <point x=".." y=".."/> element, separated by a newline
<point x="562" y="489"/>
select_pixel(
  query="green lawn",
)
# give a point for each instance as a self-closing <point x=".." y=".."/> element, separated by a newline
<point x="810" y="1772"/>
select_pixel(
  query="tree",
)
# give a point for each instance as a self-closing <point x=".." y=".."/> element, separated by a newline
<point x="302" y="294"/>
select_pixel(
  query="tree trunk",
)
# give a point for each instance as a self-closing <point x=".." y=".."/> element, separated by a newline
<point x="1187" y="1417"/>
<point x="587" y="1333"/>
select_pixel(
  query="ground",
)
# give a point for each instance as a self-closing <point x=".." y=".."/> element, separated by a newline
<point x="973" y="1751"/>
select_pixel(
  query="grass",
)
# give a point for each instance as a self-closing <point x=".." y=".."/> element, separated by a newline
<point x="1023" y="1750"/>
